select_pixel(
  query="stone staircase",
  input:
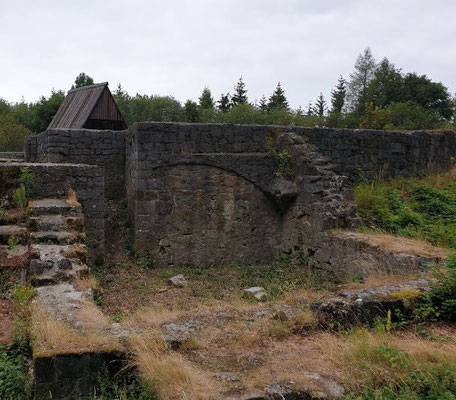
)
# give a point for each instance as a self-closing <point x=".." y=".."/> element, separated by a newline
<point x="57" y="248"/>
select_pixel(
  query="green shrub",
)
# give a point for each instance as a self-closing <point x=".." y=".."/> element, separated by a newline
<point x="14" y="377"/>
<point x="419" y="208"/>
<point x="440" y="302"/>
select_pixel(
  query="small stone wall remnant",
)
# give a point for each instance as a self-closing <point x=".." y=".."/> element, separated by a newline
<point x="54" y="180"/>
<point x="83" y="146"/>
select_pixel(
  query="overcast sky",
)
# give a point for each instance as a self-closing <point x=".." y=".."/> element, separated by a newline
<point x="177" y="47"/>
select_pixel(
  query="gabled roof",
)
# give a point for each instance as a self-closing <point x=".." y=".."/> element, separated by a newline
<point x="78" y="106"/>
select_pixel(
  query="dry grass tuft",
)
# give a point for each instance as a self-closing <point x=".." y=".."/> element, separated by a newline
<point x="50" y="336"/>
<point x="168" y="373"/>
<point x="86" y="282"/>
<point x="72" y="198"/>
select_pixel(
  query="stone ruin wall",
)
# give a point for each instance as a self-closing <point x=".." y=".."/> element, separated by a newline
<point x="214" y="194"/>
<point x="83" y="146"/>
<point x="54" y="180"/>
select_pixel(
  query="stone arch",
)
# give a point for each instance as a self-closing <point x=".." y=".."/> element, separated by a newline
<point x="199" y="214"/>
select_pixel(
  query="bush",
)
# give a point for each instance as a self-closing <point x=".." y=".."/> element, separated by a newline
<point x="14" y="378"/>
<point x="419" y="208"/>
<point x="12" y="134"/>
<point x="440" y="302"/>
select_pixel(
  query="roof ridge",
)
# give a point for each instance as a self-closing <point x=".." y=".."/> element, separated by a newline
<point x="89" y="86"/>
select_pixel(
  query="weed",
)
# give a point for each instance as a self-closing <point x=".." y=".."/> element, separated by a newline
<point x="145" y="260"/>
<point x="72" y="198"/>
<point x="20" y="199"/>
<point x="125" y="385"/>
<point x="14" y="376"/>
<point x="12" y="242"/>
<point x="285" y="164"/>
<point x="25" y="180"/>
<point x="440" y="302"/>
<point x="22" y="295"/>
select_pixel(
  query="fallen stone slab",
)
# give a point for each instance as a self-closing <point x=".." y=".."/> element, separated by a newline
<point x="365" y="305"/>
<point x="178" y="281"/>
<point x="256" y="292"/>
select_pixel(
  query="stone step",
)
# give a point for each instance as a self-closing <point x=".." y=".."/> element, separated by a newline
<point x="13" y="234"/>
<point x="55" y="252"/>
<point x="56" y="237"/>
<point x="47" y="222"/>
<point x="13" y="216"/>
<point x="13" y="258"/>
<point x="52" y="206"/>
<point x="57" y="276"/>
<point x="56" y="222"/>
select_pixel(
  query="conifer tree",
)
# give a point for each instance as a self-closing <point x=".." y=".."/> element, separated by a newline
<point x="320" y="106"/>
<point x="338" y="96"/>
<point x="224" y="104"/>
<point x="360" y="78"/>
<point x="278" y="98"/>
<point x="263" y="106"/>
<point x="240" y="93"/>
<point x="310" y="110"/>
<point x="206" y="102"/>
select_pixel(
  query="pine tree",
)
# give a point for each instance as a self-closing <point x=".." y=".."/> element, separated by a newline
<point x="206" y="102"/>
<point x="320" y="106"/>
<point x="338" y="96"/>
<point x="82" y="80"/>
<point x="360" y="78"/>
<point x="310" y="110"/>
<point x="224" y="104"/>
<point x="240" y="93"/>
<point x="263" y="106"/>
<point x="278" y="98"/>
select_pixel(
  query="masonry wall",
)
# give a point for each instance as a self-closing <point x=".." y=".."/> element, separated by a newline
<point x="210" y="193"/>
<point x="54" y="180"/>
<point x="83" y="146"/>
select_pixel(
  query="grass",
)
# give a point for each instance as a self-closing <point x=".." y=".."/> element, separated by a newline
<point x="168" y="373"/>
<point x="51" y="336"/>
<point x="422" y="207"/>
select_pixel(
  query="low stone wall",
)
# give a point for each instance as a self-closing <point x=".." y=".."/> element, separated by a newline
<point x="83" y="146"/>
<point x="54" y="180"/>
<point x="11" y="155"/>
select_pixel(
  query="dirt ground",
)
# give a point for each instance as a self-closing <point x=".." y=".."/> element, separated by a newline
<point x="7" y="314"/>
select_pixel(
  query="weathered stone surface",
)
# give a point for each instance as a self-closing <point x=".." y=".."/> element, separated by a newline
<point x="178" y="281"/>
<point x="256" y="292"/>
<point x="365" y="305"/>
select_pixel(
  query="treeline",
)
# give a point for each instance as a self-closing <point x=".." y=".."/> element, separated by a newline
<point x="376" y="95"/>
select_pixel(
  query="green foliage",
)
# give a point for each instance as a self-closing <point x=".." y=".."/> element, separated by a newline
<point x="338" y="96"/>
<point x="434" y="382"/>
<point x="240" y="93"/>
<point x="82" y="80"/>
<point x="191" y="111"/>
<point x="12" y="134"/>
<point x="125" y="385"/>
<point x="422" y="208"/>
<point x="26" y="180"/>
<point x="206" y="102"/>
<point x="440" y="302"/>
<point x="14" y="377"/>
<point x="285" y="164"/>
<point x="22" y="295"/>
<point x="148" y="108"/>
<point x="12" y="242"/>
<point x="277" y="99"/>
<point x="20" y="200"/>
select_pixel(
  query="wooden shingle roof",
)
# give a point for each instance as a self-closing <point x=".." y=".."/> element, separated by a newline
<point x="82" y="104"/>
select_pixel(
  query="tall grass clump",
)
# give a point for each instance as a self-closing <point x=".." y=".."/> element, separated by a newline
<point x="422" y="208"/>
